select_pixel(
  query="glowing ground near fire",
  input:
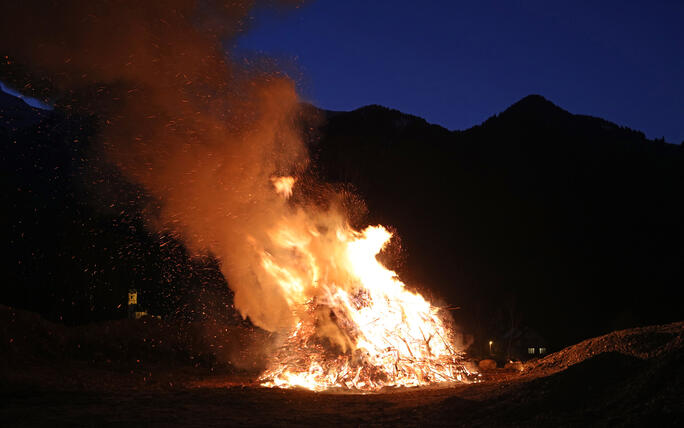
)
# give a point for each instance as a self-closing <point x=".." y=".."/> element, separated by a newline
<point x="356" y="325"/>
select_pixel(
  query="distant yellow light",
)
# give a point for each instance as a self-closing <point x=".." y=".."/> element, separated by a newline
<point x="490" y="343"/>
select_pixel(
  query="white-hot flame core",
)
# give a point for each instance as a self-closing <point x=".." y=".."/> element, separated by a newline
<point x="355" y="325"/>
<point x="283" y="185"/>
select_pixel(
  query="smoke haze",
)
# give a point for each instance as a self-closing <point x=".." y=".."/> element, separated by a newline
<point x="201" y="134"/>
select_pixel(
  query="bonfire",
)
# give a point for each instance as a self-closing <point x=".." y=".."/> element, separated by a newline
<point x="355" y="324"/>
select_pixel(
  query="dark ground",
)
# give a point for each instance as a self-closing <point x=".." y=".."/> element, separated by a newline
<point x="152" y="373"/>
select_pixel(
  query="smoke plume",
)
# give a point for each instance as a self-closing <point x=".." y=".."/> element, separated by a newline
<point x="201" y="134"/>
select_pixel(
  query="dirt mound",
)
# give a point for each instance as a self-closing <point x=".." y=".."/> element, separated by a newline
<point x="641" y="343"/>
<point x="632" y="377"/>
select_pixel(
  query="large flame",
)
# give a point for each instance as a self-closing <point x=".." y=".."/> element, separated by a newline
<point x="202" y="134"/>
<point x="355" y="325"/>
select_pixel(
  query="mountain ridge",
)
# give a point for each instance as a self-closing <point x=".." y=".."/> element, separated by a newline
<point x="533" y="108"/>
<point x="541" y="219"/>
<point x="528" y="206"/>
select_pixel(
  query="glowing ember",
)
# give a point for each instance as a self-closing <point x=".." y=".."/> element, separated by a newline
<point x="356" y="326"/>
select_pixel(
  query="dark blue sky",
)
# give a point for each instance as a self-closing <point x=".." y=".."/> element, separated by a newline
<point x="457" y="63"/>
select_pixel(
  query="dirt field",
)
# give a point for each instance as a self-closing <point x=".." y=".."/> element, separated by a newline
<point x="630" y="377"/>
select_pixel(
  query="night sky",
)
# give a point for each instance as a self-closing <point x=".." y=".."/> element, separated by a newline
<point x="457" y="63"/>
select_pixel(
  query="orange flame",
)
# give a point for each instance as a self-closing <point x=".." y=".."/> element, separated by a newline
<point x="355" y="325"/>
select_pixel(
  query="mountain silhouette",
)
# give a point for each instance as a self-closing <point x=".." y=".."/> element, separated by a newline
<point x="570" y="223"/>
<point x="537" y="218"/>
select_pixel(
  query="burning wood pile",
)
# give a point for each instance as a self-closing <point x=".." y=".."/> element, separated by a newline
<point x="307" y="361"/>
<point x="356" y="324"/>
